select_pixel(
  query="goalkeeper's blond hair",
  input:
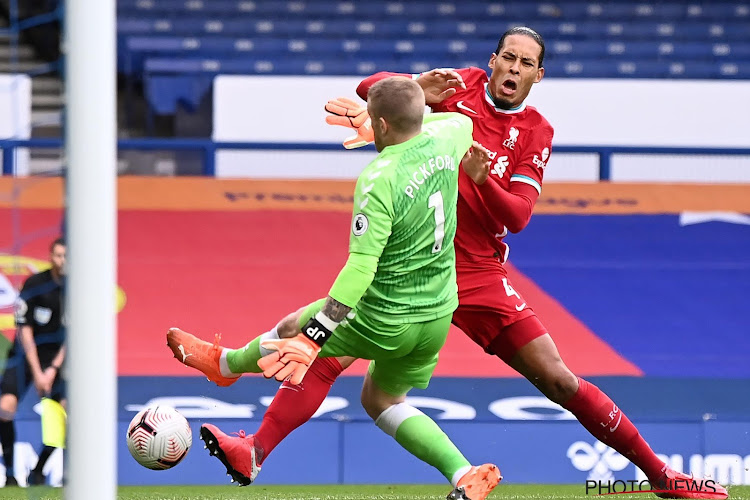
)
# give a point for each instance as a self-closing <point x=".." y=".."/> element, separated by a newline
<point x="399" y="101"/>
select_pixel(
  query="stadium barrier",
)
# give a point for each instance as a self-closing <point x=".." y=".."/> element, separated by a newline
<point x="500" y="420"/>
<point x="605" y="157"/>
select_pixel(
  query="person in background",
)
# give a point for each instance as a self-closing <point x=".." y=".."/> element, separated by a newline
<point x="37" y="355"/>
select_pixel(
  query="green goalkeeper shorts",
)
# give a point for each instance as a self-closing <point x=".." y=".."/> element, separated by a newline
<point x="402" y="355"/>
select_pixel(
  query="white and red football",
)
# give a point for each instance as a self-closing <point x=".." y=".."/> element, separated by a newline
<point x="159" y="437"/>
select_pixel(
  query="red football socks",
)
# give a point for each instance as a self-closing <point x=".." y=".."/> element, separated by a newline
<point x="602" y="418"/>
<point x="294" y="405"/>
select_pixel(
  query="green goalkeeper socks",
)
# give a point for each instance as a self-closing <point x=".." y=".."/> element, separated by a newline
<point x="422" y="437"/>
<point x="245" y="360"/>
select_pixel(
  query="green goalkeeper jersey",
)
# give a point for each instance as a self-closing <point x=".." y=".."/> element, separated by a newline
<point x="405" y="215"/>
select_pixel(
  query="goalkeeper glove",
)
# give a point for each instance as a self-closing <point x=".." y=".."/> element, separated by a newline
<point x="293" y="357"/>
<point x="347" y="113"/>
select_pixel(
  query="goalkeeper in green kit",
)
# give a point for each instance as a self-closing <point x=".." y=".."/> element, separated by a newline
<point x="391" y="303"/>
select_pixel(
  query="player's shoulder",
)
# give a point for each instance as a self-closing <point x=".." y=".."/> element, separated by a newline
<point x="37" y="284"/>
<point x="446" y="120"/>
<point x="379" y="171"/>
<point x="473" y="75"/>
<point x="533" y="119"/>
<point x="38" y="278"/>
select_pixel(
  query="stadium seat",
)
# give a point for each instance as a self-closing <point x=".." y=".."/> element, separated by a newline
<point x="171" y="43"/>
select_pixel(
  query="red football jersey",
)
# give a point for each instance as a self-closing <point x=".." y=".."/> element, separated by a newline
<point x="520" y="141"/>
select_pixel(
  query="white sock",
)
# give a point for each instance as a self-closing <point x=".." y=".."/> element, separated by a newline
<point x="272" y="334"/>
<point x="459" y="474"/>
<point x="393" y="416"/>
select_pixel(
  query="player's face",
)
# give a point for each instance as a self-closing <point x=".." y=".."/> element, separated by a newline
<point x="57" y="258"/>
<point x="514" y="70"/>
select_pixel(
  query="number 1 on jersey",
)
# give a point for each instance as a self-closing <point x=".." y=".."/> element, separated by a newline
<point x="436" y="201"/>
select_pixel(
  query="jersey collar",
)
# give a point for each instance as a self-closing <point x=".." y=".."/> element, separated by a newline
<point x="407" y="144"/>
<point x="512" y="111"/>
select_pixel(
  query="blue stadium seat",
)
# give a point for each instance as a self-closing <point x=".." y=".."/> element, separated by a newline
<point x="171" y="82"/>
<point x="740" y="50"/>
<point x="168" y="7"/>
<point x="575" y="48"/>
<point x="165" y="92"/>
<point x="739" y="31"/>
<point x="691" y="69"/>
<point x="739" y="70"/>
<point x="179" y="45"/>
<point x="139" y="48"/>
<point x="675" y="68"/>
<point x="711" y="11"/>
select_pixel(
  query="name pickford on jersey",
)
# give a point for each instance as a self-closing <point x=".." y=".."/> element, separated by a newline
<point x="405" y="215"/>
<point x="426" y="170"/>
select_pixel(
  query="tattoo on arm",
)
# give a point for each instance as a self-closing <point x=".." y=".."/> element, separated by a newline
<point x="335" y="310"/>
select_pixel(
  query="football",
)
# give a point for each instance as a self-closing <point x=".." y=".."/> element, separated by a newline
<point x="159" y="437"/>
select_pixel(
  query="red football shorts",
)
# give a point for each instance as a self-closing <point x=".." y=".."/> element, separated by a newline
<point x="490" y="311"/>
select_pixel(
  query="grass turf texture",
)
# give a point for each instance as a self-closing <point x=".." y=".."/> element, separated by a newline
<point x="337" y="492"/>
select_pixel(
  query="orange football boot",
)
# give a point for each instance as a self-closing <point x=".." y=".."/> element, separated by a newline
<point x="199" y="354"/>
<point x="477" y="483"/>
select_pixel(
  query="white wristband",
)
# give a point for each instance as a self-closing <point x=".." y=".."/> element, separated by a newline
<point x="326" y="321"/>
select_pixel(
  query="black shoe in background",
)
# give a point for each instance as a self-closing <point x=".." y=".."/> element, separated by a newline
<point x="36" y="478"/>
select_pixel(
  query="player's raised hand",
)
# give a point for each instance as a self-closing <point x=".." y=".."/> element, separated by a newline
<point x="347" y="113"/>
<point x="439" y="84"/>
<point x="291" y="359"/>
<point x="476" y="163"/>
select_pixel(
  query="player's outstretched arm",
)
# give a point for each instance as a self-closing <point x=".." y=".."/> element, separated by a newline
<point x="364" y="86"/>
<point x="439" y="84"/>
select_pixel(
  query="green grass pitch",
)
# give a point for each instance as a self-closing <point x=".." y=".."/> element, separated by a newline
<point x="337" y="492"/>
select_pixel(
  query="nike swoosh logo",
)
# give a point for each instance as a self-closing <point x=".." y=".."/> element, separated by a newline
<point x="460" y="105"/>
<point x="613" y="429"/>
<point x="182" y="350"/>
<point x="521" y="307"/>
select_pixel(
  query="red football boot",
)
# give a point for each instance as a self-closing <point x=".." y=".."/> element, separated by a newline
<point x="239" y="454"/>
<point x="678" y="485"/>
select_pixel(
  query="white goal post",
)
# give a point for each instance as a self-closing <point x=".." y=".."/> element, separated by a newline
<point x="91" y="219"/>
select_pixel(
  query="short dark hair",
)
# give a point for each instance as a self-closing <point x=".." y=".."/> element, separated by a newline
<point x="400" y="101"/>
<point x="58" y="241"/>
<point x="523" y="30"/>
